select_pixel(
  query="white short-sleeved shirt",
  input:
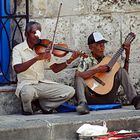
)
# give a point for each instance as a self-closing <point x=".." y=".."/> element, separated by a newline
<point x="35" y="73"/>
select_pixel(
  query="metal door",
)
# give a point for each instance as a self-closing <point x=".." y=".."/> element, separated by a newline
<point x="10" y="34"/>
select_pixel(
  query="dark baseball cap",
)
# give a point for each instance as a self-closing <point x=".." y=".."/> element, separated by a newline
<point x="96" y="37"/>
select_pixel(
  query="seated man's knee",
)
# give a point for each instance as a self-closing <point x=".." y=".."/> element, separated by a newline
<point x="79" y="81"/>
<point x="69" y="92"/>
<point x="77" y="78"/>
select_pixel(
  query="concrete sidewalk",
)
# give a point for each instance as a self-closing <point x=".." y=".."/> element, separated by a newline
<point x="63" y="126"/>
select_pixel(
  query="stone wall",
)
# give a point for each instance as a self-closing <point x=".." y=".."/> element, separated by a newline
<point x="78" y="18"/>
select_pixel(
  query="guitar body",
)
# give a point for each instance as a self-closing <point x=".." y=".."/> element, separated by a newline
<point x="107" y="78"/>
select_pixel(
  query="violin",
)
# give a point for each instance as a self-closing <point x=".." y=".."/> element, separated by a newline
<point x="44" y="45"/>
<point x="59" y="50"/>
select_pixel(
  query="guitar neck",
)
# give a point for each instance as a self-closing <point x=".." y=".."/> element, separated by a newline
<point x="128" y="40"/>
<point x="115" y="57"/>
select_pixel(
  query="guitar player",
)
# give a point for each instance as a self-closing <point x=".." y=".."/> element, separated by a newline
<point x="90" y="68"/>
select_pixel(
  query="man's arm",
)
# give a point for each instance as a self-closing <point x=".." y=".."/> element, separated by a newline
<point x="24" y="66"/>
<point x="58" y="67"/>
<point x="89" y="73"/>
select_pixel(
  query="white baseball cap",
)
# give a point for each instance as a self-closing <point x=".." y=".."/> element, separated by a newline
<point x="96" y="37"/>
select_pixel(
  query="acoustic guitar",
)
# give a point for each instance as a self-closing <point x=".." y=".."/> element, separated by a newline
<point x="102" y="83"/>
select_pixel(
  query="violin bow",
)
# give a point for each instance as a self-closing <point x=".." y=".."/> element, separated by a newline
<point x="55" y="27"/>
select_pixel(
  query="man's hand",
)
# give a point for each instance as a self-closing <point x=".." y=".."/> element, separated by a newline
<point x="127" y="53"/>
<point x="103" y="68"/>
<point x="90" y="73"/>
<point x="127" y="50"/>
<point x="75" y="55"/>
<point x="44" y="56"/>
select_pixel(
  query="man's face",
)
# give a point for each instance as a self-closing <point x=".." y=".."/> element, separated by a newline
<point x="31" y="36"/>
<point x="97" y="49"/>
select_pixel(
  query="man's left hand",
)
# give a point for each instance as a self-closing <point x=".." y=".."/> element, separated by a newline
<point x="75" y="55"/>
<point x="127" y="49"/>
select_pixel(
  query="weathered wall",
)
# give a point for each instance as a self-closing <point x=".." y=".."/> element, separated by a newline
<point x="78" y="18"/>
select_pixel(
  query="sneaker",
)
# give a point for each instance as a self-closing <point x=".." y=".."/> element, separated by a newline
<point x="136" y="102"/>
<point x="47" y="111"/>
<point x="82" y="108"/>
<point x="137" y="106"/>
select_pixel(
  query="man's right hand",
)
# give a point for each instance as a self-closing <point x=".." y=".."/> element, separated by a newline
<point x="44" y="56"/>
<point x="102" y="68"/>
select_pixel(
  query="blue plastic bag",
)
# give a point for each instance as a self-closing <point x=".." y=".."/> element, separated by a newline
<point x="71" y="108"/>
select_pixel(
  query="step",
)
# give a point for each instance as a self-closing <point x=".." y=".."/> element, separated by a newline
<point x="9" y="103"/>
<point x="63" y="126"/>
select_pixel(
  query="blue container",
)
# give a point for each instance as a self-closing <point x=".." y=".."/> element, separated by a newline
<point x="4" y="45"/>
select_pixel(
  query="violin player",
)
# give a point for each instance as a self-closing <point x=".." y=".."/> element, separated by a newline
<point x="98" y="79"/>
<point x="29" y="66"/>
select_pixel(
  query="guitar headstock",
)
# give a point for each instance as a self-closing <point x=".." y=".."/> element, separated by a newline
<point x="129" y="38"/>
